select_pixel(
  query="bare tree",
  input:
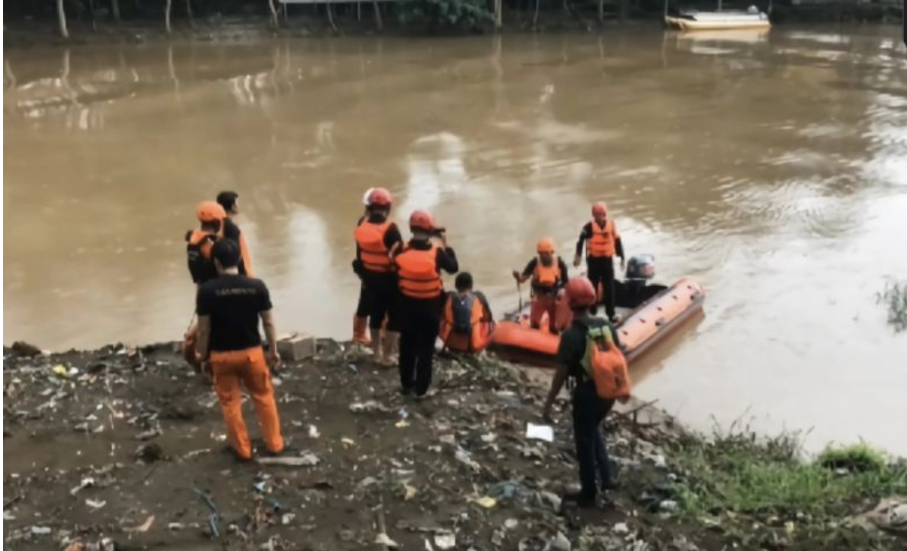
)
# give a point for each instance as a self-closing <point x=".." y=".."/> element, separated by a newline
<point x="274" y="20"/>
<point x="378" y="21"/>
<point x="498" y="16"/>
<point x="115" y="8"/>
<point x="61" y="15"/>
<point x="167" y="15"/>
<point x="189" y="13"/>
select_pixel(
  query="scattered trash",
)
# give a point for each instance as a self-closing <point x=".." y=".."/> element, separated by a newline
<point x="511" y="524"/>
<point x="370" y="406"/>
<point x="668" y="506"/>
<point x="149" y="453"/>
<point x="313" y="432"/>
<point x="486" y="502"/>
<point x="621" y="528"/>
<point x="560" y="542"/>
<point x="176" y="526"/>
<point x="287" y="518"/>
<point x="214" y="518"/>
<point x="383" y="539"/>
<point x="465" y="458"/>
<point x="40" y="530"/>
<point x="148" y="434"/>
<point x="401" y="424"/>
<point x="86" y="483"/>
<point x="95" y="504"/>
<point x="260" y="486"/>
<point x="409" y="492"/>
<point x="445" y="540"/>
<point x="448" y="439"/>
<point x="307" y="460"/>
<point x="540" y="432"/>
<point x="144" y="527"/>
<point x="489" y="438"/>
<point x="347" y="441"/>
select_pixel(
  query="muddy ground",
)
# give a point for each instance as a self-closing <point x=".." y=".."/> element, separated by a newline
<point x="123" y="449"/>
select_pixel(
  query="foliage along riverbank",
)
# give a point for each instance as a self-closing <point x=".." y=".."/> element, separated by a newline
<point x="124" y="448"/>
<point x="79" y="21"/>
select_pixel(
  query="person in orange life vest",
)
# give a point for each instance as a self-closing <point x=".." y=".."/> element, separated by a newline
<point x="548" y="273"/>
<point x="467" y="324"/>
<point x="229" y="200"/>
<point x="419" y="267"/>
<point x="602" y="242"/>
<point x="589" y="410"/>
<point x="199" y="242"/>
<point x="376" y="239"/>
<point x="229" y="308"/>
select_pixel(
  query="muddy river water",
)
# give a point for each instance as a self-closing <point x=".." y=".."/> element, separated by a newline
<point x="771" y="167"/>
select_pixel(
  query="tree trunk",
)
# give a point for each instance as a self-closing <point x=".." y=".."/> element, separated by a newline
<point x="189" y="13"/>
<point x="61" y="15"/>
<point x="273" y="9"/>
<point x="378" y="21"/>
<point x="330" y="11"/>
<point x="94" y="21"/>
<point x="167" y="15"/>
<point x="535" y="16"/>
<point x="115" y="8"/>
<point x="601" y="12"/>
<point x="498" y="16"/>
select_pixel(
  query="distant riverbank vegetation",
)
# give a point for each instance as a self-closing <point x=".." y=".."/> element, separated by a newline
<point x="142" y="19"/>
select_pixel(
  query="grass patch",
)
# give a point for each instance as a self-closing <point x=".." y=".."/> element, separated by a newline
<point x="743" y="474"/>
<point x="894" y="296"/>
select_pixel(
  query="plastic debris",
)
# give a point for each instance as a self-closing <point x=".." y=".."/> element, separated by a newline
<point x="486" y="502"/>
<point x="313" y="432"/>
<point x="445" y="540"/>
<point x="40" y="530"/>
<point x="540" y="432"/>
<point x="465" y="458"/>
<point x="621" y="528"/>
<point x="141" y="528"/>
<point x="306" y="460"/>
<point x="86" y="483"/>
<point x="95" y="504"/>
<point x="560" y="542"/>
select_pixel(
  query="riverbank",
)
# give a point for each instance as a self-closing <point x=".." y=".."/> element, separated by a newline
<point x="31" y="32"/>
<point x="122" y="448"/>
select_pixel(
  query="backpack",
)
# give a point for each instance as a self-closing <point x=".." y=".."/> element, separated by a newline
<point x="606" y="365"/>
<point x="198" y="255"/>
<point x="462" y="314"/>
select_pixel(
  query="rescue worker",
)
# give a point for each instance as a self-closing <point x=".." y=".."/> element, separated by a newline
<point x="548" y="273"/>
<point x="229" y="200"/>
<point x="419" y="267"/>
<point x="602" y="242"/>
<point x="199" y="242"/>
<point x="376" y="239"/>
<point x="229" y="308"/>
<point x="589" y="410"/>
<point x="211" y="218"/>
<point x="467" y="324"/>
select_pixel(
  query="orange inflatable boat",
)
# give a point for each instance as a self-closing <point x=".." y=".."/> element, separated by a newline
<point x="649" y="312"/>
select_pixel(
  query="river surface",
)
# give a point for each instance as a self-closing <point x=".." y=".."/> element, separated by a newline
<point x="771" y="167"/>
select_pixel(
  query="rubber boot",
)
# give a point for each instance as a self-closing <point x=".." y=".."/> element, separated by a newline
<point x="375" y="345"/>
<point x="360" y="330"/>
<point x="390" y="344"/>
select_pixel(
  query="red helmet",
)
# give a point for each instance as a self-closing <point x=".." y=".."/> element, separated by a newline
<point x="421" y="220"/>
<point x="546" y="245"/>
<point x="210" y="211"/>
<point x="580" y="292"/>
<point x="379" y="197"/>
<point x="599" y="209"/>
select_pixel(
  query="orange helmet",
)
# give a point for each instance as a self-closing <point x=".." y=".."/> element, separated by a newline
<point x="421" y="220"/>
<point x="599" y="209"/>
<point x="580" y="292"/>
<point x="546" y="245"/>
<point x="210" y="211"/>
<point x="379" y="197"/>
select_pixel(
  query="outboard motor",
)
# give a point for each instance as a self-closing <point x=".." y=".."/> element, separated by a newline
<point x="641" y="267"/>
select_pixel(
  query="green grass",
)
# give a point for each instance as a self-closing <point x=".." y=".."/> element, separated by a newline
<point x="895" y="298"/>
<point x="743" y="474"/>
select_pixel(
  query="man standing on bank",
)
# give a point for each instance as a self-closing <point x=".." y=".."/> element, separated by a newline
<point x="229" y="308"/>
<point x="602" y="242"/>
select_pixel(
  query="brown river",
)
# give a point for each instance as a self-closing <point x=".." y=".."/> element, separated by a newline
<point x="771" y="167"/>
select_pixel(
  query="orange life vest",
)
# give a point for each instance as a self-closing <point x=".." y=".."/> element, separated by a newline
<point x="547" y="276"/>
<point x="464" y="327"/>
<point x="373" y="254"/>
<point x="603" y="240"/>
<point x="418" y="273"/>
<point x="198" y="253"/>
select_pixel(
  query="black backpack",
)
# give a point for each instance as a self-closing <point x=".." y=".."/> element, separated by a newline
<point x="462" y="313"/>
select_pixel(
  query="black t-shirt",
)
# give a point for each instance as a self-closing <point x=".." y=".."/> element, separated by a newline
<point x="234" y="303"/>
<point x="232" y="232"/>
<point x="572" y="348"/>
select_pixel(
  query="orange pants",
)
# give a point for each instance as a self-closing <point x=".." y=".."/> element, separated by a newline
<point x="248" y="366"/>
<point x="544" y="304"/>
